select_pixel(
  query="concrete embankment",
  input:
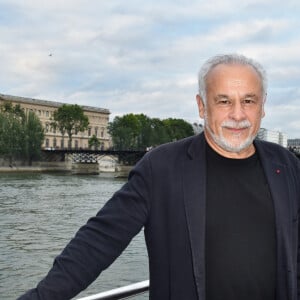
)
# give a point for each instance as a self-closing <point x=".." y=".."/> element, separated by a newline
<point x="37" y="167"/>
<point x="68" y="167"/>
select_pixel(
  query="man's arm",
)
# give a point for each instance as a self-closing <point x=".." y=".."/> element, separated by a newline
<point x="98" y="243"/>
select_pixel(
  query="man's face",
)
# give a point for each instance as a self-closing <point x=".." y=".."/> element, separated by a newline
<point x="233" y="109"/>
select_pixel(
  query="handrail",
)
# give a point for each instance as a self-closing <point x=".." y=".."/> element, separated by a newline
<point x="122" y="292"/>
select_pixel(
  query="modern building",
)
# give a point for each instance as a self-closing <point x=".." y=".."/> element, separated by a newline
<point x="98" y="122"/>
<point x="294" y="145"/>
<point x="198" y="128"/>
<point x="276" y="137"/>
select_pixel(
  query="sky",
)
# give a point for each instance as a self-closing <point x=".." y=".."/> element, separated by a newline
<point x="144" y="56"/>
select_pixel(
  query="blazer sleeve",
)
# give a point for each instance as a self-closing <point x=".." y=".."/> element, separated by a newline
<point x="98" y="243"/>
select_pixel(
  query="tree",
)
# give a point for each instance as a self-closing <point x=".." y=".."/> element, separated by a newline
<point x="33" y="137"/>
<point x="138" y="132"/>
<point x="11" y="130"/>
<point x="70" y="119"/>
<point x="124" y="132"/>
<point x="21" y="135"/>
<point x="178" y="129"/>
<point x="94" y="142"/>
<point x="159" y="134"/>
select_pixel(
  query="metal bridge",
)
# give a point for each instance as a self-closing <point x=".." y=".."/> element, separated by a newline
<point x="91" y="156"/>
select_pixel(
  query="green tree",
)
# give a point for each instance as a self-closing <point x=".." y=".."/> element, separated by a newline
<point x="138" y="132"/>
<point x="33" y="137"/>
<point x="94" y="142"/>
<point x="159" y="134"/>
<point x="178" y="129"/>
<point x="11" y="130"/>
<point x="124" y="132"/>
<point x="70" y="119"/>
<point x="21" y="135"/>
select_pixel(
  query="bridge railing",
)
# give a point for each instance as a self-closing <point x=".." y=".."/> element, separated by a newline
<point x="124" y="292"/>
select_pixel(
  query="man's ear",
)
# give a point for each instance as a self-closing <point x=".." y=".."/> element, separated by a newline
<point x="201" y="106"/>
<point x="263" y="107"/>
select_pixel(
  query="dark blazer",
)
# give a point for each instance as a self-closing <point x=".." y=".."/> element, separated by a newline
<point x="166" y="194"/>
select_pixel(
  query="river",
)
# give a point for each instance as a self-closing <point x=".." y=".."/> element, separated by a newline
<point x="40" y="213"/>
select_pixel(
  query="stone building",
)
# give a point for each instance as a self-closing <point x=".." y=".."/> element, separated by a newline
<point x="98" y="121"/>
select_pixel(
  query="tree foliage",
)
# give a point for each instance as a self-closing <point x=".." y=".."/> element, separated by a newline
<point x="138" y="132"/>
<point x="33" y="137"/>
<point x="70" y="119"/>
<point x="94" y="142"/>
<point x="21" y="135"/>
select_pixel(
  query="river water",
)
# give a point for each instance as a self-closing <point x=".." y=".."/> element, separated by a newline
<point x="40" y="213"/>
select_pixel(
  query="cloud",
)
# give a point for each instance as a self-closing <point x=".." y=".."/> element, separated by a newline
<point x="129" y="57"/>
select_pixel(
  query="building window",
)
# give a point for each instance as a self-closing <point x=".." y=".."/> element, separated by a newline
<point x="76" y="144"/>
<point x="47" y="113"/>
<point x="54" y="143"/>
<point x="47" y="143"/>
<point x="89" y="131"/>
<point x="62" y="144"/>
<point x="47" y="127"/>
<point x="96" y="131"/>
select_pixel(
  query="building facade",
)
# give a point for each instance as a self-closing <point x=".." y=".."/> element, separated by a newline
<point x="198" y="128"/>
<point x="294" y="145"/>
<point x="98" y="123"/>
<point x="276" y="137"/>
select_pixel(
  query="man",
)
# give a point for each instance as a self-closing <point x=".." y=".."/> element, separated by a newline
<point x="220" y="210"/>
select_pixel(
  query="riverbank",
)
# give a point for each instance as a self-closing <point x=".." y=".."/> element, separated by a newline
<point x="63" y="167"/>
<point x="29" y="169"/>
<point x="37" y="167"/>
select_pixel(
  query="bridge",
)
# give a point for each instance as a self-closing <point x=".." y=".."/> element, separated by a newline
<point x="127" y="157"/>
<point x="86" y="155"/>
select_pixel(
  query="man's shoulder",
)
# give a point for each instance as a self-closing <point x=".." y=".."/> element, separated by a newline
<point x="276" y="152"/>
<point x="176" y="148"/>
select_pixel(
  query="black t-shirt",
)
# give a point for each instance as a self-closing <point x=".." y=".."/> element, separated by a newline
<point x="240" y="230"/>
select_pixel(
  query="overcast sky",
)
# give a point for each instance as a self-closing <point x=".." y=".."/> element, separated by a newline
<point x="144" y="56"/>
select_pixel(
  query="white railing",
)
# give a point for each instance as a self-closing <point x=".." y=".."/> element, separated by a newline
<point x="123" y="292"/>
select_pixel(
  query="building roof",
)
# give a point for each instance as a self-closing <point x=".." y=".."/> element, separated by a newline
<point x="49" y="103"/>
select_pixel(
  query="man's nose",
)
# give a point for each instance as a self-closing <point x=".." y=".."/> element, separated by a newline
<point x="237" y="112"/>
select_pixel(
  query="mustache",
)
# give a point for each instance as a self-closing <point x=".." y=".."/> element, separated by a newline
<point x="238" y="125"/>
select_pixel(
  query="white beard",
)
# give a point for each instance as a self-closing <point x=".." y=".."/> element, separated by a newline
<point x="224" y="143"/>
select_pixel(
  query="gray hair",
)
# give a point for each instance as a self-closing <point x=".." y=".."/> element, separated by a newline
<point x="229" y="59"/>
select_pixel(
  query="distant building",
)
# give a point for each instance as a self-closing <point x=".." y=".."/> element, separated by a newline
<point x="98" y="121"/>
<point x="198" y="128"/>
<point x="276" y="137"/>
<point x="294" y="145"/>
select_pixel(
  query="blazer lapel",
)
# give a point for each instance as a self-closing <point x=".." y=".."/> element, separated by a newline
<point x="277" y="178"/>
<point x="194" y="183"/>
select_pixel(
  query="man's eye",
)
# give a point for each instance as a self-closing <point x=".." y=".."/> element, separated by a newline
<point x="224" y="102"/>
<point x="248" y="101"/>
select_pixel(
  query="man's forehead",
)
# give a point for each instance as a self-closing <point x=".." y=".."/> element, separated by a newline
<point x="233" y="74"/>
<point x="236" y="82"/>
